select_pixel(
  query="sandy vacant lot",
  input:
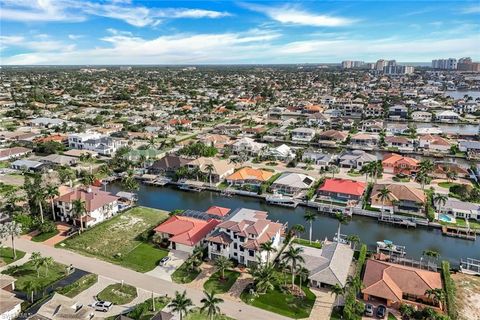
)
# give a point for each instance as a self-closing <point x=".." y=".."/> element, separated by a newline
<point x="468" y="296"/>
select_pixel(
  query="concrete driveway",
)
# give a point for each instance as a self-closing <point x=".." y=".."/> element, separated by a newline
<point x="177" y="258"/>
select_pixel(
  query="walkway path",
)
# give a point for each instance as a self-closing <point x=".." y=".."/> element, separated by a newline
<point x="19" y="262"/>
<point x="236" y="290"/>
<point x="323" y="305"/>
<point x="142" y="281"/>
<point x="62" y="229"/>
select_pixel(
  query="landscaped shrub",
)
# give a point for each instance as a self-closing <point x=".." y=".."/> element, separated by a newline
<point x="28" y="222"/>
<point x="361" y="260"/>
<point x="47" y="226"/>
<point x="449" y="290"/>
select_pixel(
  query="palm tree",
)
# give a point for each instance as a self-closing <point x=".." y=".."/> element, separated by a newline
<point x="355" y="239"/>
<point x="210" y="304"/>
<point x="263" y="277"/>
<point x="11" y="229"/>
<point x="310" y="217"/>
<point x="210" y="168"/>
<point x="355" y="283"/>
<point x="221" y="264"/>
<point x="78" y="210"/>
<point x="268" y="247"/>
<point x="297" y="229"/>
<point x="337" y="290"/>
<point x="437" y="295"/>
<point x="376" y="169"/>
<point x="302" y="274"/>
<point x="46" y="262"/>
<point x="406" y="310"/>
<point x="423" y="178"/>
<point x="51" y="191"/>
<point x="38" y="198"/>
<point x="129" y="182"/>
<point x="181" y="303"/>
<point x="384" y="194"/>
<point x="293" y="256"/>
<point x="333" y="170"/>
<point x="36" y="260"/>
<point x="31" y="286"/>
<point x="342" y="219"/>
<point x="426" y="166"/>
<point x="440" y="199"/>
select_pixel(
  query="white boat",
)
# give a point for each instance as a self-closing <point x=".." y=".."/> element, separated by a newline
<point x="388" y="246"/>
<point x="342" y="239"/>
<point x="281" y="200"/>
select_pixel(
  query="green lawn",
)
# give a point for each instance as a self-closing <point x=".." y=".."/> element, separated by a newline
<point x="447" y="185"/>
<point x="44" y="236"/>
<point x="283" y="303"/>
<point x="6" y="255"/>
<point x="5" y="188"/>
<point x="307" y="243"/>
<point x="118" y="294"/>
<point x="183" y="275"/>
<point x="391" y="317"/>
<point x="195" y="314"/>
<point x="117" y="240"/>
<point x="144" y="311"/>
<point x="78" y="286"/>
<point x="27" y="272"/>
<point x="218" y="285"/>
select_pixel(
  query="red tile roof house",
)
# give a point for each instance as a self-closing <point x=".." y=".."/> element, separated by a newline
<point x="395" y="284"/>
<point x="100" y="205"/>
<point x="343" y="190"/>
<point x="240" y="237"/>
<point x="186" y="231"/>
<point x="396" y="164"/>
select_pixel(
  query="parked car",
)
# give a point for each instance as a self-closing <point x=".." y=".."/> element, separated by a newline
<point x="102" y="306"/>
<point x="71" y="231"/>
<point x="369" y="310"/>
<point x="164" y="261"/>
<point x="381" y="311"/>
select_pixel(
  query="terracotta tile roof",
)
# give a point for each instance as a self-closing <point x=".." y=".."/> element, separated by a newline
<point x="396" y="159"/>
<point x="343" y="186"/>
<point x="220" y="238"/>
<point x="94" y="198"/>
<point x="400" y="192"/>
<point x="437" y="140"/>
<point x="186" y="230"/>
<point x="218" y="211"/>
<point x="391" y="281"/>
<point x="248" y="173"/>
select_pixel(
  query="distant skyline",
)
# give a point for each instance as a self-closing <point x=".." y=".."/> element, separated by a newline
<point x="110" y="32"/>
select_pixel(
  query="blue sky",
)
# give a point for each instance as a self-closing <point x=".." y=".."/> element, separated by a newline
<point x="222" y="32"/>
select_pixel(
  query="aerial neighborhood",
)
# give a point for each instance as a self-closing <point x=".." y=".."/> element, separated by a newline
<point x="240" y="192"/>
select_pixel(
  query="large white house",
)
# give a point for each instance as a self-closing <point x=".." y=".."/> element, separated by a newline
<point x="97" y="142"/>
<point x="241" y="235"/>
<point x="248" y="146"/>
<point x="100" y="205"/>
<point x="303" y="134"/>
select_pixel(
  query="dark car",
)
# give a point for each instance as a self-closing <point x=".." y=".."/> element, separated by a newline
<point x="71" y="231"/>
<point x="381" y="311"/>
<point x="369" y="310"/>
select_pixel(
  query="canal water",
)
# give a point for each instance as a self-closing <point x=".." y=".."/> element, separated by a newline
<point x="369" y="231"/>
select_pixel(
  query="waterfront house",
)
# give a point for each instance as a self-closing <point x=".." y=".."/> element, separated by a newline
<point x="13" y="153"/>
<point x="460" y="209"/>
<point x="100" y="205"/>
<point x="355" y="159"/>
<point x="333" y="136"/>
<point x="327" y="266"/>
<point x="318" y="120"/>
<point x="397" y="164"/>
<point x="281" y="153"/>
<point x="99" y="143"/>
<point x="59" y="160"/>
<point x="397" y="128"/>
<point x="322" y="160"/>
<point x="249" y="177"/>
<point x="447" y="116"/>
<point x="188" y="230"/>
<point x="421" y="116"/>
<point x="399" y="143"/>
<point x="372" y="125"/>
<point x="168" y="165"/>
<point x="220" y="168"/>
<point x="394" y="284"/>
<point x="434" y="143"/>
<point x="290" y="183"/>
<point x="248" y="146"/>
<point x="471" y="147"/>
<point x="240" y="237"/>
<point x="341" y="189"/>
<point x="401" y="199"/>
<point x="398" y="112"/>
<point x="10" y="306"/>
<point x="364" y="140"/>
<point x="303" y="134"/>
<point x="442" y="169"/>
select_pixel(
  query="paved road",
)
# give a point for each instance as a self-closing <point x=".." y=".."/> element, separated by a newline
<point x="143" y="281"/>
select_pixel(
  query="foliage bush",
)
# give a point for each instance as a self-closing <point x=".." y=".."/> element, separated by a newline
<point x="449" y="290"/>
<point x="47" y="226"/>
<point x="28" y="222"/>
<point x="361" y="260"/>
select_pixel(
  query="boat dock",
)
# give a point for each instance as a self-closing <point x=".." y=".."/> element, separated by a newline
<point x="461" y="233"/>
<point x="470" y="266"/>
<point x="397" y="221"/>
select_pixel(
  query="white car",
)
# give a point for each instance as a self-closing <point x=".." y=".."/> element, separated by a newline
<point x="102" y="306"/>
<point x="164" y="261"/>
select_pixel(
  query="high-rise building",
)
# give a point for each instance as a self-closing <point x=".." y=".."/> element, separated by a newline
<point x="445" y="64"/>
<point x="398" y="69"/>
<point x="466" y="64"/>
<point x="349" y="64"/>
<point x="380" y="64"/>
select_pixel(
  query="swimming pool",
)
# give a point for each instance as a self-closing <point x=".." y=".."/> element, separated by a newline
<point x="446" y="218"/>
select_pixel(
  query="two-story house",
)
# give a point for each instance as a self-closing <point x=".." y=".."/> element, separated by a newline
<point x="241" y="235"/>
<point x="303" y="134"/>
<point x="401" y="199"/>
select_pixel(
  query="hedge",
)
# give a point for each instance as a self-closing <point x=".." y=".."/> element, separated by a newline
<point x="361" y="260"/>
<point x="449" y="290"/>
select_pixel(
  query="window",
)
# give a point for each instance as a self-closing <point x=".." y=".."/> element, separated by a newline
<point x="235" y="245"/>
<point x="241" y="249"/>
<point x="251" y="253"/>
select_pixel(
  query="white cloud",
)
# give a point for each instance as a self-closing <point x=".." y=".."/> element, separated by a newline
<point x="253" y="46"/>
<point x="76" y="11"/>
<point x="471" y="9"/>
<point x="75" y="36"/>
<point x="293" y="15"/>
